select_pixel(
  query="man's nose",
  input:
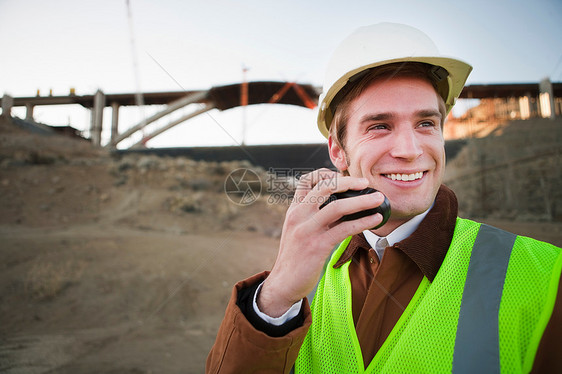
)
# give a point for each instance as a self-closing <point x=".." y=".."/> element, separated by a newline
<point x="406" y="145"/>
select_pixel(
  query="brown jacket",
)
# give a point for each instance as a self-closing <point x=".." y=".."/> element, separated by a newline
<point x="380" y="293"/>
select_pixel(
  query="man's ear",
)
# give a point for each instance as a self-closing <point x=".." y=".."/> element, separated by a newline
<point x="337" y="154"/>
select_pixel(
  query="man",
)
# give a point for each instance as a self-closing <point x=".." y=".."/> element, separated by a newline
<point x="427" y="291"/>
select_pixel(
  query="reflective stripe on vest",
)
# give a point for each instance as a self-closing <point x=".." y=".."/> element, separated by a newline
<point x="444" y="328"/>
<point x="477" y="346"/>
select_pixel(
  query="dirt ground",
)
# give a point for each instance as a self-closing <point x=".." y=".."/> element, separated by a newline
<point x="125" y="265"/>
<point x="96" y="298"/>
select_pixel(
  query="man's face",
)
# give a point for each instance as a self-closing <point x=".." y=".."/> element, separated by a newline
<point x="394" y="139"/>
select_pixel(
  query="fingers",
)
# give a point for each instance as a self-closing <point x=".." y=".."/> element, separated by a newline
<point x="329" y="218"/>
<point x="342" y="229"/>
<point x="343" y="207"/>
<point x="315" y="188"/>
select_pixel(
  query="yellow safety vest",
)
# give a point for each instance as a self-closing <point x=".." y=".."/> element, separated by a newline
<point x="485" y="311"/>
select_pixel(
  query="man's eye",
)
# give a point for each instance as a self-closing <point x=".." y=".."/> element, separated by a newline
<point x="378" y="126"/>
<point x="427" y="124"/>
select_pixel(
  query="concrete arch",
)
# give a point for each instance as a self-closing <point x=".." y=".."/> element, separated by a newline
<point x="224" y="98"/>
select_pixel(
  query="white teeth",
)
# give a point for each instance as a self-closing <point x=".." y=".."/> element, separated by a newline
<point x="405" y="177"/>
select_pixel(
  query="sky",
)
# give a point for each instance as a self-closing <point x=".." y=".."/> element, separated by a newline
<point x="174" y="45"/>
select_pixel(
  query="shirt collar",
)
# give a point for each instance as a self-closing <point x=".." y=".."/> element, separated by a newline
<point x="400" y="233"/>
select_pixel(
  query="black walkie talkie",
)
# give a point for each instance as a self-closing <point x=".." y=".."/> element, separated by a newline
<point x="383" y="209"/>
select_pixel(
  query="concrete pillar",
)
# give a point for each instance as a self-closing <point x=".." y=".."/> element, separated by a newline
<point x="7" y="104"/>
<point x="558" y="106"/>
<point x="114" y="122"/>
<point x="97" y="118"/>
<point x="524" y="107"/>
<point x="29" y="112"/>
<point x="532" y="105"/>
<point x="546" y="99"/>
<point x="505" y="111"/>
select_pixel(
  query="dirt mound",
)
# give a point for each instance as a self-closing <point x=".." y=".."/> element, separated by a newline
<point x="22" y="147"/>
<point x="49" y="181"/>
<point x="514" y="174"/>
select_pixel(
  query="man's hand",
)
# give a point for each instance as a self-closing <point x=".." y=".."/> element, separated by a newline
<point x="309" y="234"/>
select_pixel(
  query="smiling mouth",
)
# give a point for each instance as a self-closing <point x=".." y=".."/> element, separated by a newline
<point x="405" y="177"/>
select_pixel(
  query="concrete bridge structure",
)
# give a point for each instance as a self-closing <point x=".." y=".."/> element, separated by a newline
<point x="524" y="99"/>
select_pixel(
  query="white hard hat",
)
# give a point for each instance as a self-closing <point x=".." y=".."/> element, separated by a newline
<point x="382" y="44"/>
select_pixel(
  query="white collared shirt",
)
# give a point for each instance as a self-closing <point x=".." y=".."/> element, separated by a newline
<point x="399" y="234"/>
